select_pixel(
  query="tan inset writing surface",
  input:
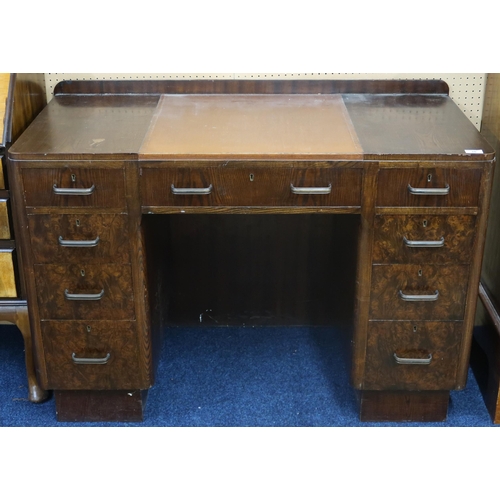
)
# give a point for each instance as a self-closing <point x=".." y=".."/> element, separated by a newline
<point x="251" y="126"/>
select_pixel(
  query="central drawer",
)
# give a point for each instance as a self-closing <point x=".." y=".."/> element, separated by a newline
<point x="245" y="184"/>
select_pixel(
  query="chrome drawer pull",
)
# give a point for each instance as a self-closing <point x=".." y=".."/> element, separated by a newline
<point x="413" y="361"/>
<point x="429" y="191"/>
<point x="206" y="190"/>
<point x="84" y="296"/>
<point x="90" y="361"/>
<point x="423" y="244"/>
<point x="78" y="243"/>
<point x="419" y="298"/>
<point x="311" y="190"/>
<point x="73" y="191"/>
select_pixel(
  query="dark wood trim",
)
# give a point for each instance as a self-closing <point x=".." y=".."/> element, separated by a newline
<point x="252" y="87"/>
<point x="490" y="306"/>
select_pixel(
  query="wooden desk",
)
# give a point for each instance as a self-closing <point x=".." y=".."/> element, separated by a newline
<point x="132" y="196"/>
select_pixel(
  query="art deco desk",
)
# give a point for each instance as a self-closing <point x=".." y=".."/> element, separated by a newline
<point x="252" y="202"/>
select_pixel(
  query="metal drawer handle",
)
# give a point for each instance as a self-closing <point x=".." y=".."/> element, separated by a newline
<point x="78" y="243"/>
<point x="311" y="190"/>
<point x="429" y="191"/>
<point x="73" y="191"/>
<point x="419" y="298"/>
<point x="413" y="361"/>
<point x="423" y="244"/>
<point x="206" y="190"/>
<point x="84" y="296"/>
<point x="90" y="361"/>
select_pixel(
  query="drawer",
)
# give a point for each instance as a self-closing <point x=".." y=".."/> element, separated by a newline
<point x="79" y="238"/>
<point x="74" y="187"/>
<point x="7" y="276"/>
<point x="84" y="291"/>
<point x="418" y="187"/>
<point x="250" y="185"/>
<point x="423" y="239"/>
<point x="404" y="355"/>
<point x="408" y="291"/>
<point x="5" y="233"/>
<point x="91" y="355"/>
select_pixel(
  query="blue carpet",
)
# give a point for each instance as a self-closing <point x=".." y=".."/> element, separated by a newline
<point x="235" y="377"/>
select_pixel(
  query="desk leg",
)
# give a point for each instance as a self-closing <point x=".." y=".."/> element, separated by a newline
<point x="18" y="315"/>
<point x="100" y="406"/>
<point x="403" y="406"/>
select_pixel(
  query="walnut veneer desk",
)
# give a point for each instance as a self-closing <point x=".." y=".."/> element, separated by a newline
<point x="115" y="181"/>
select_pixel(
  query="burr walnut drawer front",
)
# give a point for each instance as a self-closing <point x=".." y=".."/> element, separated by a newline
<point x="84" y="291"/>
<point x="70" y="238"/>
<point x="429" y="187"/>
<point x="430" y="238"/>
<point x="74" y="187"/>
<point x="251" y="185"/>
<point x="91" y="354"/>
<point x="405" y="355"/>
<point x="407" y="291"/>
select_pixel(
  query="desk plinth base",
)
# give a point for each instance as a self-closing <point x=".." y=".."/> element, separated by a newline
<point x="100" y="406"/>
<point x="403" y="406"/>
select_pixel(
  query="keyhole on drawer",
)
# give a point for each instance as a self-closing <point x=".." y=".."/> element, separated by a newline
<point x="251" y="177"/>
<point x="429" y="178"/>
<point x="82" y="272"/>
<point x="425" y="223"/>
<point x="73" y="177"/>
<point x="420" y="272"/>
<point x="78" y="222"/>
<point x="88" y="328"/>
<point x="414" y="329"/>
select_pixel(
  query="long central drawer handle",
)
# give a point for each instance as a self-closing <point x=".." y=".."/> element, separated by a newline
<point x="73" y="191"/>
<point x="429" y="191"/>
<point x="78" y="243"/>
<point x="413" y="361"/>
<point x="311" y="190"/>
<point x="206" y="190"/>
<point x="423" y="244"/>
<point x="419" y="298"/>
<point x="84" y="296"/>
<point x="90" y="361"/>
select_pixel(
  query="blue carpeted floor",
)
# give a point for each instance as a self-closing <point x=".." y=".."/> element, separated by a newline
<point x="237" y="377"/>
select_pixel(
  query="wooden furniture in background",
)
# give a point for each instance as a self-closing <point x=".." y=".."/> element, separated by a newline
<point x="485" y="358"/>
<point x="22" y="96"/>
<point x="252" y="202"/>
